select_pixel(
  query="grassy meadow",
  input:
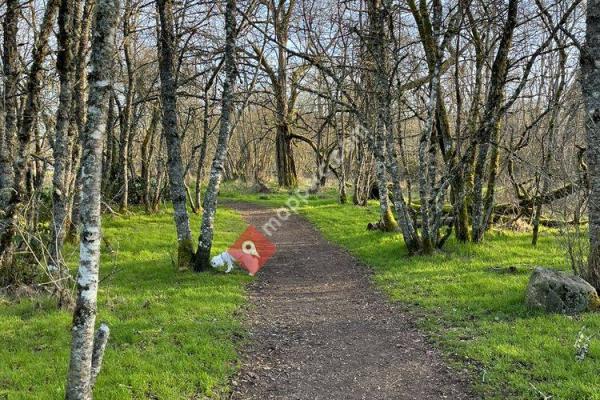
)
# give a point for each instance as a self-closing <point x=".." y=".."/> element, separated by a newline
<point x="173" y="333"/>
<point x="470" y="306"/>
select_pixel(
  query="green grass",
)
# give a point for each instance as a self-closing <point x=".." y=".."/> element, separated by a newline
<point x="172" y="333"/>
<point x="477" y="316"/>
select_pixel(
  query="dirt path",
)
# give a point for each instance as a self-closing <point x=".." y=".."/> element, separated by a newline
<point x="319" y="330"/>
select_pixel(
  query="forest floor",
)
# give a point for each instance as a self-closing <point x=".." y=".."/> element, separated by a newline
<point x="468" y="301"/>
<point x="320" y="330"/>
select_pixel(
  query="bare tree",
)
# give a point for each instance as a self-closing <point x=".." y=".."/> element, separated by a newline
<point x="280" y="13"/>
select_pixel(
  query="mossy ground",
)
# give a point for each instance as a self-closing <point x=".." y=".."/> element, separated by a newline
<point x="173" y="333"/>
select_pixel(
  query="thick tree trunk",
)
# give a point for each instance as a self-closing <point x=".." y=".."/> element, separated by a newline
<point x="86" y="351"/>
<point x="388" y="221"/>
<point x="170" y="129"/>
<point x="590" y="68"/>
<point x="61" y="177"/>
<point x="425" y="176"/>
<point x="10" y="60"/>
<point x="286" y="167"/>
<point x="210" y="198"/>
<point x="362" y="179"/>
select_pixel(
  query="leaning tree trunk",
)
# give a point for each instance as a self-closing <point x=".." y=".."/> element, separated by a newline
<point x="590" y="68"/>
<point x="10" y="60"/>
<point x="210" y="198"/>
<point x="168" y="90"/>
<point x="482" y="204"/>
<point x="60" y="195"/>
<point x="87" y="350"/>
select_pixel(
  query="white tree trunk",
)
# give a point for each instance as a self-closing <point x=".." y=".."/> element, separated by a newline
<point x="210" y="199"/>
<point x="84" y="364"/>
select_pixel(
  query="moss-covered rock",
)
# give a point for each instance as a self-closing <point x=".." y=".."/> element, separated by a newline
<point x="558" y="292"/>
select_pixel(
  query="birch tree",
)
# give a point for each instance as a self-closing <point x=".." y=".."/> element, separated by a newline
<point x="87" y="350"/>
<point x="210" y="198"/>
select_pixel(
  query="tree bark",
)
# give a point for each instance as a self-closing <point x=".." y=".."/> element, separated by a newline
<point x="212" y="190"/>
<point x="78" y="114"/>
<point x="109" y="159"/>
<point x="84" y="361"/>
<point x="384" y="121"/>
<point x="60" y="187"/>
<point x="284" y="155"/>
<point x="590" y="68"/>
<point x="10" y="60"/>
<point x="341" y="148"/>
<point x="170" y="129"/>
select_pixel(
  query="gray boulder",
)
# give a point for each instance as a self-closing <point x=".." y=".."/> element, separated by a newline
<point x="555" y="291"/>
